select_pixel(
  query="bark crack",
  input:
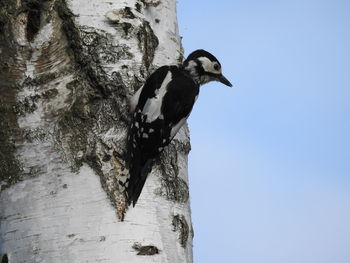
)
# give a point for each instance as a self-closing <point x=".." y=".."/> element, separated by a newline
<point x="33" y="8"/>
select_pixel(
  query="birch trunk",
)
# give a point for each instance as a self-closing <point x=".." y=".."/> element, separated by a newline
<point x="67" y="71"/>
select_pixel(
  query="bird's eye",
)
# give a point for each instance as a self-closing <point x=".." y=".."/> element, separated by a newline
<point x="216" y="66"/>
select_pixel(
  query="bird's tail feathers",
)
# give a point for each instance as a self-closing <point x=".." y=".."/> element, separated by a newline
<point x="138" y="174"/>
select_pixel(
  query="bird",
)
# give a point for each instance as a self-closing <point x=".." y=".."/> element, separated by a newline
<point x="160" y="108"/>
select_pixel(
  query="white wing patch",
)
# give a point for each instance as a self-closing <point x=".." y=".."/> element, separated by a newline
<point x="153" y="105"/>
<point x="135" y="100"/>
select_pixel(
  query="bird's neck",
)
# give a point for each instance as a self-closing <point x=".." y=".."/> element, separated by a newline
<point x="191" y="68"/>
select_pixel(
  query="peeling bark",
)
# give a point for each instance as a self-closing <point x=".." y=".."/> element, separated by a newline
<point x="67" y="71"/>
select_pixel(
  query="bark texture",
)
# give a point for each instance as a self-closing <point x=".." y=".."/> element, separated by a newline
<point x="67" y="71"/>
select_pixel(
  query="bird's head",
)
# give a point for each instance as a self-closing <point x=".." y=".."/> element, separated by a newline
<point x="204" y="67"/>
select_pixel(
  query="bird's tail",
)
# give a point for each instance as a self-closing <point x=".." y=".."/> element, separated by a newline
<point x="138" y="170"/>
<point x="139" y="164"/>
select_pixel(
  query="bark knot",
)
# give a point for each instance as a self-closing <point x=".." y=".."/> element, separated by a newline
<point x="145" y="250"/>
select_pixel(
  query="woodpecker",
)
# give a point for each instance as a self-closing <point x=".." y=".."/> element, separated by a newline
<point x="160" y="108"/>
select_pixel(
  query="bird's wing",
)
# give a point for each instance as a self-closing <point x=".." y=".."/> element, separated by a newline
<point x="178" y="102"/>
<point x="151" y="87"/>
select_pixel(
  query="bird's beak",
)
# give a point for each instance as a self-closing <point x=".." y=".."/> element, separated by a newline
<point x="224" y="80"/>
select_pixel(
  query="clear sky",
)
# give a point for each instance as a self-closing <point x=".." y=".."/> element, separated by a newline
<point x="270" y="162"/>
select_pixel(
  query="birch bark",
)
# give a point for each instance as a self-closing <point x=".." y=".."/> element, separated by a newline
<point x="67" y="71"/>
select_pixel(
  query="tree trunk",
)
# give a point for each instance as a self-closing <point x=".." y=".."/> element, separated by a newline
<point x="67" y="71"/>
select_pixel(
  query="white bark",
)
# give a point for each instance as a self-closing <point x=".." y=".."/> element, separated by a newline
<point x="73" y="81"/>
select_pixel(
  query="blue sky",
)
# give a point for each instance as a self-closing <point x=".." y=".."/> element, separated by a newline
<point x="270" y="162"/>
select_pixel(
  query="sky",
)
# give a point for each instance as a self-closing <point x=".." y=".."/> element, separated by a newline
<point x="269" y="168"/>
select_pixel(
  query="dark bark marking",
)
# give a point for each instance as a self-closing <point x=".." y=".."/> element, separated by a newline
<point x="5" y="259"/>
<point x="34" y="17"/>
<point x="180" y="224"/>
<point x="10" y="167"/>
<point x="151" y="3"/>
<point x="172" y="187"/>
<point x="138" y="7"/>
<point x="127" y="13"/>
<point x="148" y="42"/>
<point x="145" y="250"/>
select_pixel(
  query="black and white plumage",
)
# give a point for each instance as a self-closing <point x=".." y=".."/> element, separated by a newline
<point x="160" y="108"/>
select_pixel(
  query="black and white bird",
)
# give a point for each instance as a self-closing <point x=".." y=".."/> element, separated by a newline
<point x="160" y="108"/>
